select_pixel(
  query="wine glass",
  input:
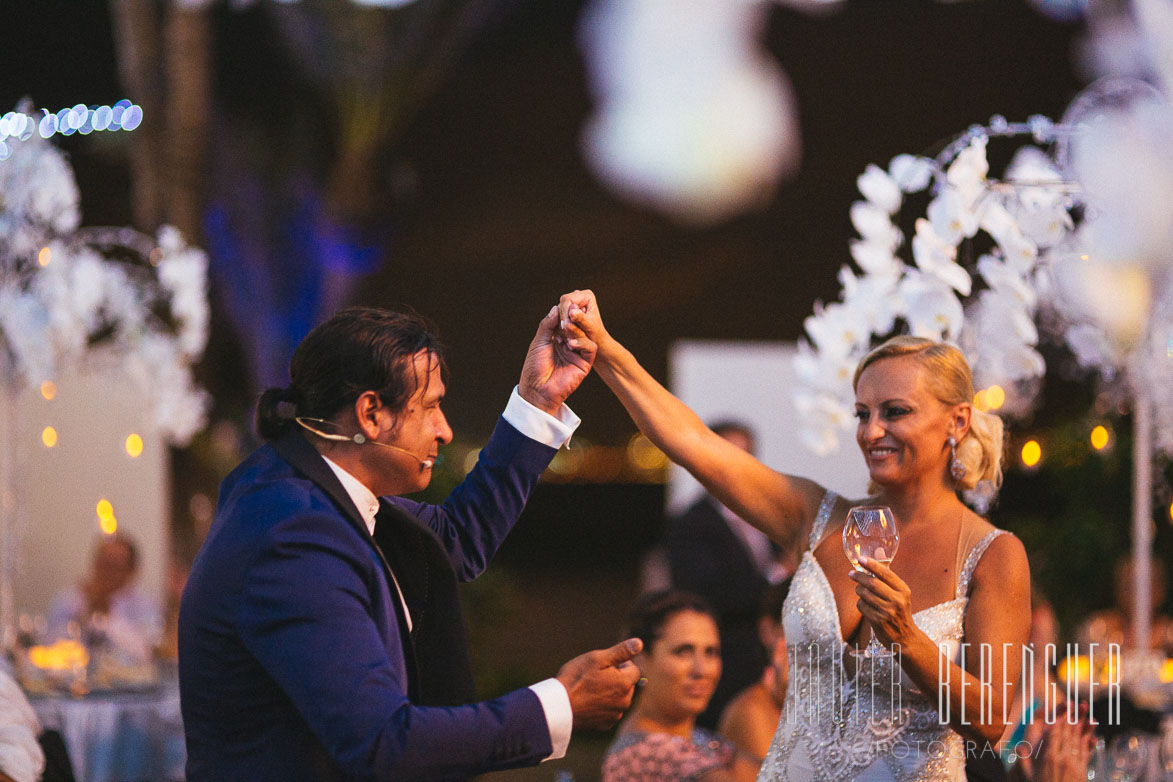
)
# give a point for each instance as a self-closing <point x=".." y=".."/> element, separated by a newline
<point x="870" y="531"/>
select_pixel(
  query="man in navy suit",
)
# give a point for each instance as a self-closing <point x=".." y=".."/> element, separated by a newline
<point x="320" y="632"/>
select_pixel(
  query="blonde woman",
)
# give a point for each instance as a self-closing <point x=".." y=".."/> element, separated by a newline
<point x="956" y="583"/>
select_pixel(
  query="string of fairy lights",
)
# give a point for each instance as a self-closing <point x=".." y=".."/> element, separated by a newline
<point x="80" y="119"/>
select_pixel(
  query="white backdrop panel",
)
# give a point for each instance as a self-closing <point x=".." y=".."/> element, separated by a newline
<point x="751" y="382"/>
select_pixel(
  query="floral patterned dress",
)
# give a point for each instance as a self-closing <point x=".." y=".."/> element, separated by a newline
<point x="636" y="756"/>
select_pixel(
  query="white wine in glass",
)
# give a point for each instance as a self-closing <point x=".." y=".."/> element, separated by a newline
<point x="870" y="531"/>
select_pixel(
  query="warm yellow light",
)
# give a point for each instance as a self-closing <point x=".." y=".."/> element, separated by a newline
<point x="108" y="526"/>
<point x="49" y="436"/>
<point x="49" y="390"/>
<point x="996" y="396"/>
<point x="644" y="455"/>
<point x="134" y="445"/>
<point x="1031" y="453"/>
<point x="981" y="400"/>
<point x="63" y="655"/>
<point x="1099" y="438"/>
<point x="1171" y="513"/>
<point x="105" y="509"/>
<point x="44" y="256"/>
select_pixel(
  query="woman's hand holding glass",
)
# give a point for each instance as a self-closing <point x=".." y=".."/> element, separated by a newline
<point x="870" y="540"/>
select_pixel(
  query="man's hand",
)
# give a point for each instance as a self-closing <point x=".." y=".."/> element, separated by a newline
<point x="553" y="368"/>
<point x="601" y="684"/>
<point x="578" y="315"/>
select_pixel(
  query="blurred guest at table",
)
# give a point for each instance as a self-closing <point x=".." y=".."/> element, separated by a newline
<point x="680" y="665"/>
<point x="21" y="757"/>
<point x="726" y="560"/>
<point x="108" y="606"/>
<point x="751" y="718"/>
<point x="1114" y="625"/>
<point x="1059" y="752"/>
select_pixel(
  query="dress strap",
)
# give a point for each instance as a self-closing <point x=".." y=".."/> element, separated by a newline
<point x="971" y="560"/>
<point x="821" y="518"/>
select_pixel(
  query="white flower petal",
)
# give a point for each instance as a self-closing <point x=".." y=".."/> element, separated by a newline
<point x="911" y="172"/>
<point x="880" y="189"/>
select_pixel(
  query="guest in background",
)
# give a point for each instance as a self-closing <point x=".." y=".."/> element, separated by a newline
<point x="1114" y="625"/>
<point x="726" y="560"/>
<point x="680" y="665"/>
<point x="109" y="603"/>
<point x="21" y="758"/>
<point x="751" y="718"/>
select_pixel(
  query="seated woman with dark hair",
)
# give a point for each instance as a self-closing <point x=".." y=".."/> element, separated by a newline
<point x="680" y="665"/>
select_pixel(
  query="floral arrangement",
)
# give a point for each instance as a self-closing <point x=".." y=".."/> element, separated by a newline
<point x="1016" y="222"/>
<point x="70" y="295"/>
<point x="991" y="260"/>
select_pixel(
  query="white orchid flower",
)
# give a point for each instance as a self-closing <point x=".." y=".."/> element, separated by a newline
<point x="875" y="258"/>
<point x="1006" y="280"/>
<point x="1045" y="225"/>
<point x="911" y="173"/>
<point x="874" y="296"/>
<point x="931" y="308"/>
<point x="1035" y="176"/>
<point x="827" y="372"/>
<point x="880" y="189"/>
<point x="837" y="329"/>
<point x="935" y="256"/>
<point x="874" y="225"/>
<point x="952" y="219"/>
<point x="967" y="173"/>
<point x="995" y="219"/>
<point x="1004" y="320"/>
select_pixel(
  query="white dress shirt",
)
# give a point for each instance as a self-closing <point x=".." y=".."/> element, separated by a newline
<point x="544" y="428"/>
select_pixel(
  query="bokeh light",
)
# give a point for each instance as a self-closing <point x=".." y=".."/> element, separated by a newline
<point x="49" y="390"/>
<point x="981" y="400"/>
<point x="49" y="436"/>
<point x="106" y="520"/>
<point x="134" y="445"/>
<point x="1032" y="453"/>
<point x="1099" y="438"/>
<point x="44" y="256"/>
<point x="996" y="396"/>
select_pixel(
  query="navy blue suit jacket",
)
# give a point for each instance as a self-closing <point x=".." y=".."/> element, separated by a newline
<point x="294" y="656"/>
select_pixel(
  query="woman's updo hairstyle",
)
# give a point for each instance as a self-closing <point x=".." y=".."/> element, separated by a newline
<point x="949" y="379"/>
<point x="653" y="610"/>
<point x="359" y="349"/>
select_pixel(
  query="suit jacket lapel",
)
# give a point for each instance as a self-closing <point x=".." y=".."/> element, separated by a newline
<point x="304" y="458"/>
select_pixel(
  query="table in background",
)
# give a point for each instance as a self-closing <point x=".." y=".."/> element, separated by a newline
<point x="119" y="736"/>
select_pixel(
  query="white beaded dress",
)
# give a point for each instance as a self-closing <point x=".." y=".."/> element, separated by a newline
<point x="875" y="726"/>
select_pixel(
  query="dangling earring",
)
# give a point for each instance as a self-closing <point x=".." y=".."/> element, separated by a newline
<point x="956" y="468"/>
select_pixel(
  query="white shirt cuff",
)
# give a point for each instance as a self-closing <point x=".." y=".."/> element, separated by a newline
<point x="538" y="424"/>
<point x="559" y="718"/>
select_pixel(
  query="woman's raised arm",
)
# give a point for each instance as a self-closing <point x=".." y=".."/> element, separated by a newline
<point x="780" y="505"/>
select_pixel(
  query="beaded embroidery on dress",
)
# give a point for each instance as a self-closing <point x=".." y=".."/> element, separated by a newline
<point x="875" y="726"/>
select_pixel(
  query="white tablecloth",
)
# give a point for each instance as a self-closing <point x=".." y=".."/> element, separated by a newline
<point x="119" y="737"/>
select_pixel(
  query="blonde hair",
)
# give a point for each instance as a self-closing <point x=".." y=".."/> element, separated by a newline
<point x="949" y="379"/>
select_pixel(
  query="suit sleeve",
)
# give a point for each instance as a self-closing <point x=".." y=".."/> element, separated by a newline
<point x="478" y="514"/>
<point x="316" y="638"/>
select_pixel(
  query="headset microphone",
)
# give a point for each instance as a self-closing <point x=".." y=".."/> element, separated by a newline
<point x="359" y="439"/>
